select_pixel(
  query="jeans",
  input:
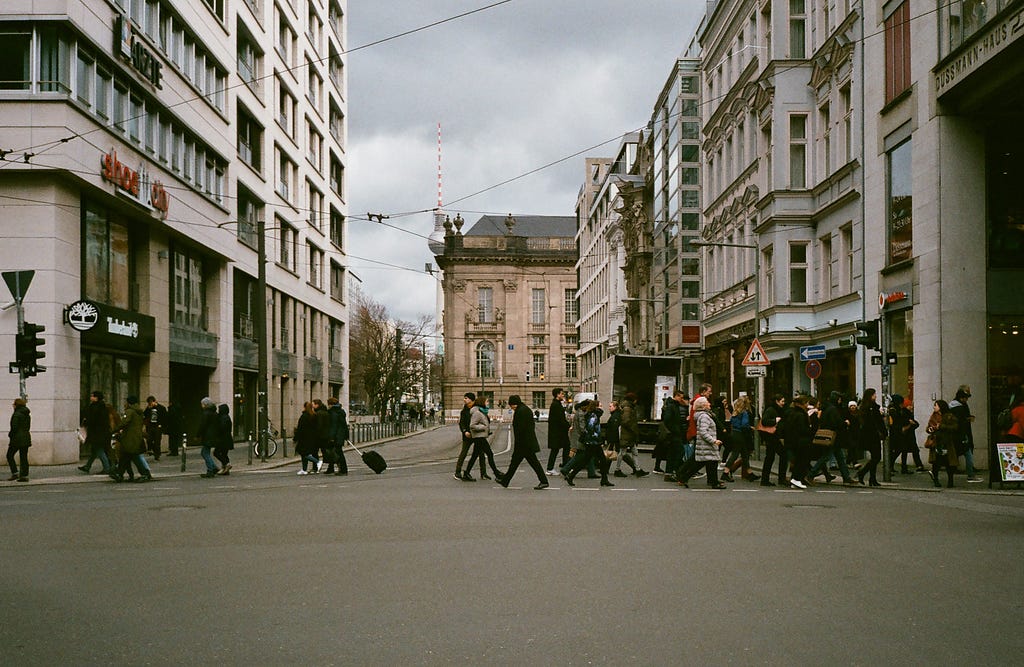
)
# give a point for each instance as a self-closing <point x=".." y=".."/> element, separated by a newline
<point x="142" y="465"/>
<point x="22" y="452"/>
<point x="969" y="462"/>
<point x="628" y="454"/>
<point x="571" y="463"/>
<point x="96" y="451"/>
<point x="211" y="467"/>
<point x="823" y="461"/>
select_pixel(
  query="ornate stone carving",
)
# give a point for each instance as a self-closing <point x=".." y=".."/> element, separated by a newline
<point x="510" y="285"/>
<point x="459" y="285"/>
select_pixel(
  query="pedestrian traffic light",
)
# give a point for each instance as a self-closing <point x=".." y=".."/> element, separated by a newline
<point x="527" y="376"/>
<point x="27" y="349"/>
<point x="867" y="335"/>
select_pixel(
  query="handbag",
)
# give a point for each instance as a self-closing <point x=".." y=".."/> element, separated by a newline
<point x="611" y="454"/>
<point x="765" y="429"/>
<point x="824" y="437"/>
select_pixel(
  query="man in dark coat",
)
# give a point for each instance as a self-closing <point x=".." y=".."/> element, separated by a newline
<point x="558" y="430"/>
<point x="337" y="435"/>
<point x="175" y="428"/>
<point x="21" y="440"/>
<point x="468" y="399"/>
<point x="96" y="420"/>
<point x="155" y="417"/>
<point x="323" y="429"/>
<point x="526" y="445"/>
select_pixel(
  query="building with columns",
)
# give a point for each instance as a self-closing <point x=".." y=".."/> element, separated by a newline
<point x="148" y="145"/>
<point x="509" y="309"/>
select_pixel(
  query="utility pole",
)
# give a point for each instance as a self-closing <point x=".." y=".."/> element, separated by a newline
<point x="260" y="316"/>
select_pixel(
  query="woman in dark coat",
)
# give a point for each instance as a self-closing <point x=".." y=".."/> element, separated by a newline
<point x="902" y="440"/>
<point x="872" y="431"/>
<point x="307" y="439"/>
<point x="97" y="432"/>
<point x="21" y="440"/>
<point x="525" y="446"/>
<point x="209" y="435"/>
<point x="942" y="431"/>
<point x="225" y="439"/>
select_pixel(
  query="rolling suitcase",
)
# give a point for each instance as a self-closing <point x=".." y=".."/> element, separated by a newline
<point x="373" y="460"/>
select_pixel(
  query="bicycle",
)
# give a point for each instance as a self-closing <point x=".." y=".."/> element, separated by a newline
<point x="271" y="436"/>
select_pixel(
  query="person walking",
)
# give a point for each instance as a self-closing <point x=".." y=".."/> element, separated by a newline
<point x="964" y="419"/>
<point x="97" y="432"/>
<point x="628" y="435"/>
<point x="225" y="439"/>
<point x="674" y="420"/>
<point x="20" y="440"/>
<point x="175" y="428"/>
<point x="902" y="440"/>
<point x="872" y="432"/>
<point x="323" y="428"/>
<point x="467" y="437"/>
<point x="337" y="436"/>
<point x="942" y="432"/>
<point x="558" y="430"/>
<point x="155" y="419"/>
<point x="705" y="453"/>
<point x="833" y="419"/>
<point x="305" y="438"/>
<point x="590" y="441"/>
<point x="525" y="445"/>
<point x="480" y="428"/>
<point x="132" y="442"/>
<point x="576" y="449"/>
<point x="796" y="426"/>
<point x="741" y="437"/>
<point x="208" y="435"/>
<point x="770" y="429"/>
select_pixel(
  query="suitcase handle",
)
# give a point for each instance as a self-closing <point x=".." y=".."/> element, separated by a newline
<point x="349" y="443"/>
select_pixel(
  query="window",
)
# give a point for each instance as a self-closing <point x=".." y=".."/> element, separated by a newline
<point x="572" y="340"/>
<point x="285" y="175"/>
<point x="249" y="60"/>
<point x="798" y="273"/>
<point x="313" y="85"/>
<point x="337" y="177"/>
<point x="314" y="147"/>
<point x="84" y="81"/>
<point x="285" y="40"/>
<point x="216" y="6"/>
<point x="825" y="121"/>
<point x="537" y="340"/>
<point x="337" y="228"/>
<point x="570" y="366"/>
<point x="316" y="265"/>
<point x="54" y="61"/>
<point x="336" y="70"/>
<point x="335" y="18"/>
<point x="897" y="52"/>
<point x="135" y="118"/>
<point x="314" y="27"/>
<point x="188" y="299"/>
<point x="244" y="305"/>
<point x="484" y="305"/>
<point x="768" y="267"/>
<point x="315" y="204"/>
<point x="15" y="70"/>
<point x="287" y="240"/>
<point x="797" y="29"/>
<point x="539" y="400"/>
<point x="485" y="359"/>
<point x="104" y="86"/>
<point x="825" y="244"/>
<point x="109" y="262"/>
<point x="285" y="109"/>
<point x="537" y="364"/>
<point x="846" y="257"/>
<point x="572" y="311"/>
<point x="338" y="335"/>
<point x="337" y="281"/>
<point x="798" y="151"/>
<point x="538" y="306"/>
<point x="250" y="140"/>
<point x="844" y="99"/>
<point x="337" y="124"/>
<point x="900" y="207"/>
<point x="250" y="214"/>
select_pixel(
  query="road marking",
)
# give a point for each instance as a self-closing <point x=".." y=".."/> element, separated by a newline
<point x="823" y="491"/>
<point x="664" y="490"/>
<point x="746" y="491"/>
<point x="625" y="489"/>
<point x="583" y="488"/>
<point x="51" y="491"/>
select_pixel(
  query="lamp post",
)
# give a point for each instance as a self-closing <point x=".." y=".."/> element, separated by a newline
<point x="757" y="297"/>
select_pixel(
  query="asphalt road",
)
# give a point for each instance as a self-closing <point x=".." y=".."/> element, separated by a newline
<point x="415" y="568"/>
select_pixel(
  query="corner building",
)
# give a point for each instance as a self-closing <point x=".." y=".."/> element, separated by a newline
<point x="147" y="144"/>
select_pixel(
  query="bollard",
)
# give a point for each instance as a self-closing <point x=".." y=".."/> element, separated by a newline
<point x="250" y="447"/>
<point x="184" y="449"/>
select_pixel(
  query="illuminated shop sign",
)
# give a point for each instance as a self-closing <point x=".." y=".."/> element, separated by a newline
<point x="134" y="50"/>
<point x="135" y="183"/>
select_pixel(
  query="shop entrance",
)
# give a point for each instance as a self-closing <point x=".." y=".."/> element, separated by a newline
<point x="188" y="386"/>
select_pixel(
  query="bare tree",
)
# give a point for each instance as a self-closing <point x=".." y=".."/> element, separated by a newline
<point x="381" y="367"/>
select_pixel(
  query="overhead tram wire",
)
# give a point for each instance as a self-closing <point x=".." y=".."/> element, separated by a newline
<point x="46" y="146"/>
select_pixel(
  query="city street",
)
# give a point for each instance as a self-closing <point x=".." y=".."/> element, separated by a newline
<point x="413" y="567"/>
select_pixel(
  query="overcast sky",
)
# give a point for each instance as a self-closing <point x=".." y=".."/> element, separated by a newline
<point x="514" y="87"/>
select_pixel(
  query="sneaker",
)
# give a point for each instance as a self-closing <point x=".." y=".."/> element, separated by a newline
<point x="319" y="466"/>
<point x="699" y="475"/>
<point x="619" y="473"/>
<point x="975" y="479"/>
<point x="797" y="484"/>
<point x="553" y="473"/>
<point x="457" y="475"/>
<point x="302" y="472"/>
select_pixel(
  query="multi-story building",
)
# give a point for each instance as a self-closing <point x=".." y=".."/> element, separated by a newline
<point x="944" y="246"/>
<point x="783" y="206"/>
<point x="510" y="309"/>
<point x="148" y="146"/>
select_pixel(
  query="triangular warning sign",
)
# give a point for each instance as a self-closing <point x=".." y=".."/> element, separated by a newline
<point x="756" y="355"/>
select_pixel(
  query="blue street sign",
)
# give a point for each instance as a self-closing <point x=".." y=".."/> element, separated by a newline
<point x="809" y="352"/>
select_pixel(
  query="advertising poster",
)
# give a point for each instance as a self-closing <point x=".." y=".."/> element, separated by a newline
<point x="1011" y="461"/>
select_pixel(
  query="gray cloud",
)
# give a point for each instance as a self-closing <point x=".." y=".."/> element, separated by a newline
<point x="515" y="87"/>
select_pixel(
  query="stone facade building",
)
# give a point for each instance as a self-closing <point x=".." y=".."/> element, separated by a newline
<point x="509" y="309"/>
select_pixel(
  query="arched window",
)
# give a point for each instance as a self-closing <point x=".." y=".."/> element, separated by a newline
<point x="485" y="359"/>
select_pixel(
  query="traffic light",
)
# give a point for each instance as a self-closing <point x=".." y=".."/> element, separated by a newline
<point x="527" y="376"/>
<point x="27" y="350"/>
<point x="868" y="335"/>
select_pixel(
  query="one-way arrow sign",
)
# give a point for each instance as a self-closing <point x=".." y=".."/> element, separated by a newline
<point x="809" y="352"/>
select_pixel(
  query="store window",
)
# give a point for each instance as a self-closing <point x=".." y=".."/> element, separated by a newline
<point x="108" y="274"/>
<point x="1005" y="198"/>
<point x="900" y="340"/>
<point x="117" y="376"/>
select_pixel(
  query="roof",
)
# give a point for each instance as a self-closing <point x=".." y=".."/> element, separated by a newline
<point x="526" y="225"/>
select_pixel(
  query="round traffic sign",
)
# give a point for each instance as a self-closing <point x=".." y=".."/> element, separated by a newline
<point x="813" y="369"/>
